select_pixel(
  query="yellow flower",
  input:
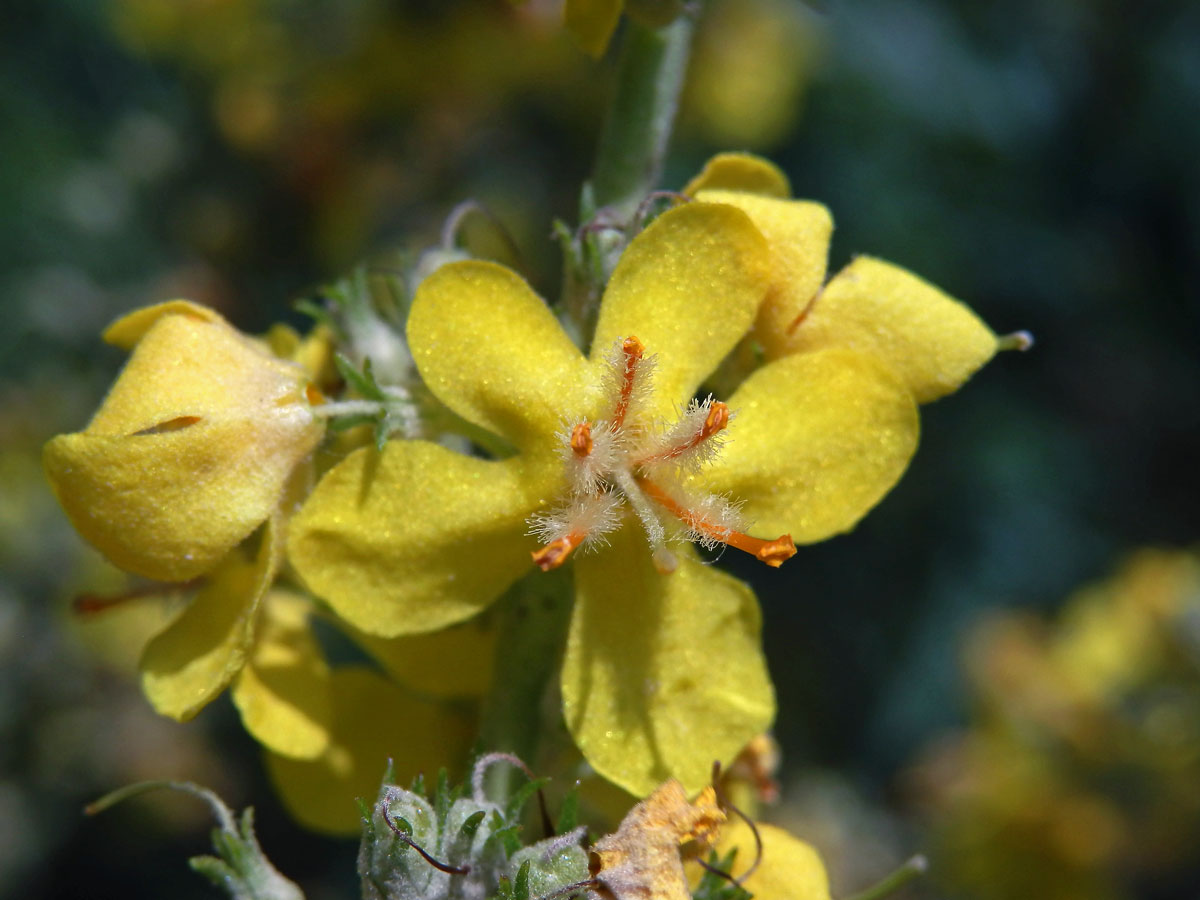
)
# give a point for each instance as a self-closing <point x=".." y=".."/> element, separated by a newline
<point x="373" y="722"/>
<point x="789" y="868"/>
<point x="663" y="670"/>
<point x="934" y="343"/>
<point x="202" y="440"/>
<point x="191" y="449"/>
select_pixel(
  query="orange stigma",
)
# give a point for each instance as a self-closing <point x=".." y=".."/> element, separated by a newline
<point x="555" y="553"/>
<point x="581" y="439"/>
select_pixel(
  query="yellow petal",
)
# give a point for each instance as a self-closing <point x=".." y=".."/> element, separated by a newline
<point x="790" y="869"/>
<point x="190" y="663"/>
<point x="492" y="351"/>
<point x="798" y="233"/>
<point x="130" y="328"/>
<point x="740" y="172"/>
<point x="417" y="537"/>
<point x="663" y="674"/>
<point x="453" y="662"/>
<point x="373" y="721"/>
<point x="189" y="452"/>
<point x="592" y="23"/>
<point x="934" y="342"/>
<point x="687" y="287"/>
<point x="816" y="441"/>
<point x="283" y="691"/>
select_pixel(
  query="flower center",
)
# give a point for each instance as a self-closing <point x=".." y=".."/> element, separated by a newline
<point x="627" y="459"/>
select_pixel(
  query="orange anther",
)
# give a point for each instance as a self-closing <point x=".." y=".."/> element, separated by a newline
<point x="717" y="419"/>
<point x="313" y="394"/>
<point x="581" y="439"/>
<point x="555" y="553"/>
<point x="634" y="351"/>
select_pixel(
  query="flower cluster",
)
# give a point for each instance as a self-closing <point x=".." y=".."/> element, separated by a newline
<point x="612" y="460"/>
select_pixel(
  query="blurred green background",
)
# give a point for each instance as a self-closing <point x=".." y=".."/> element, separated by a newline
<point x="1036" y="159"/>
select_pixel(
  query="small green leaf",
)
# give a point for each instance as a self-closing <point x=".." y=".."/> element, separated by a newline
<point x="213" y="869"/>
<point x="471" y="824"/>
<point x="418" y="785"/>
<point x="521" y="882"/>
<point x="568" y="815"/>
<point x="383" y="429"/>
<point x="441" y="795"/>
<point x="521" y="796"/>
<point x="318" y="313"/>
<point x="402" y="824"/>
<point x="363" y="383"/>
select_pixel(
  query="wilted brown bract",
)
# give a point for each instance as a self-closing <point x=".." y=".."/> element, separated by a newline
<point x="643" y="858"/>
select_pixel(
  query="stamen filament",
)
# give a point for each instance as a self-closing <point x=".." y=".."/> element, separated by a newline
<point x="634" y="351"/>
<point x="714" y="422"/>
<point x="555" y="553"/>
<point x="774" y="553"/>
<point x="664" y="559"/>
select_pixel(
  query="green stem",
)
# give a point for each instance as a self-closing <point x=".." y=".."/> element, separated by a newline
<point x="634" y="142"/>
<point x="913" y="868"/>
<point x="220" y="810"/>
<point x="534" y="617"/>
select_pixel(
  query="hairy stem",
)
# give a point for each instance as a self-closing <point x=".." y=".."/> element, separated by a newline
<point x="534" y="617"/>
<point x="634" y="142"/>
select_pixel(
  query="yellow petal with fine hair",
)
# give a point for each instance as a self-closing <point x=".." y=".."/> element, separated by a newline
<point x="190" y="450"/>
<point x="662" y="675"/>
<point x="741" y="172"/>
<point x="187" y="665"/>
<point x="798" y="233"/>
<point x="283" y="691"/>
<point x="932" y="341"/>
<point x="789" y="869"/>
<point x="492" y="351"/>
<point x="688" y="288"/>
<point x="374" y="721"/>
<point x="592" y="23"/>
<point x="816" y="441"/>
<point x="418" y="537"/>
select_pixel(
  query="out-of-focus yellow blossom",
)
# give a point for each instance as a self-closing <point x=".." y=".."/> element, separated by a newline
<point x="203" y="440"/>
<point x="373" y="722"/>
<point x="934" y="343"/>
<point x="1079" y="776"/>
<point x="663" y="670"/>
<point x="750" y="70"/>
<point x="592" y="22"/>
